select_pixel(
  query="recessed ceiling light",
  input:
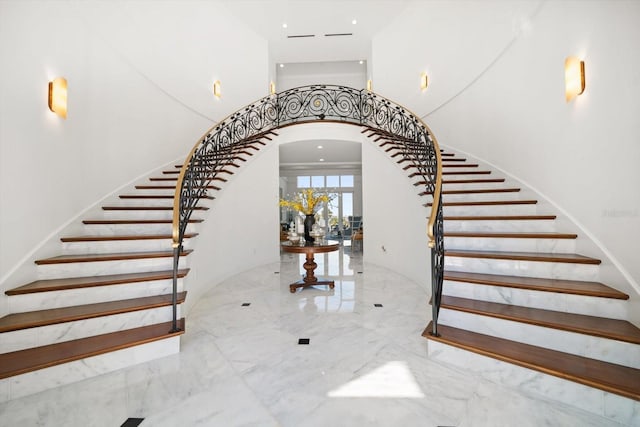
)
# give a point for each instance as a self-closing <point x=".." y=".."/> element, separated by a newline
<point x="284" y="25"/>
<point x="354" y="22"/>
<point x="281" y="65"/>
<point x="319" y="147"/>
<point x="361" y="62"/>
<point x="322" y="160"/>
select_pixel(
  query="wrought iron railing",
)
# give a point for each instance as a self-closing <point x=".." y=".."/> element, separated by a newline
<point x="316" y="103"/>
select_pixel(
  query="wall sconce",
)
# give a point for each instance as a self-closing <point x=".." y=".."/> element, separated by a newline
<point x="58" y="96"/>
<point x="573" y="77"/>
<point x="369" y="85"/>
<point x="216" y="89"/>
<point x="272" y="88"/>
<point x="424" y="81"/>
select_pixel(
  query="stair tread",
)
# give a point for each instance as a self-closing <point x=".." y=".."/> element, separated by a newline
<point x="594" y="289"/>
<point x="91" y="281"/>
<point x="135" y="221"/>
<point x="148" y="208"/>
<point x="498" y="217"/>
<point x="474" y="172"/>
<point x="617" y="379"/>
<point x="488" y="203"/>
<point x="472" y="181"/>
<point x="29" y="360"/>
<point x="524" y="256"/>
<point x="620" y="330"/>
<point x="155" y="196"/>
<point x="32" y="319"/>
<point x="511" y="235"/>
<point x="63" y="259"/>
<point x="123" y="237"/>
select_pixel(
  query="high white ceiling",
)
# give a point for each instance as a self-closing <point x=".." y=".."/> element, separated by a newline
<point x="337" y="54"/>
<point x="317" y="18"/>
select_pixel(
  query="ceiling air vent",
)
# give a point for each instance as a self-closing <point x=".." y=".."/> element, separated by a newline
<point x="300" y="36"/>
<point x="338" y="34"/>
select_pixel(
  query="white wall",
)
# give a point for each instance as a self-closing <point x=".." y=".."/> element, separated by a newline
<point x="139" y="96"/>
<point x="395" y="231"/>
<point x="582" y="156"/>
<point x="241" y="230"/>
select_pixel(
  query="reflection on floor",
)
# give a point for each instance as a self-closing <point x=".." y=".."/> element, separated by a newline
<point x="241" y="363"/>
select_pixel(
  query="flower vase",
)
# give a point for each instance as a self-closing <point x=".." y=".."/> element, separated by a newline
<point x="309" y="220"/>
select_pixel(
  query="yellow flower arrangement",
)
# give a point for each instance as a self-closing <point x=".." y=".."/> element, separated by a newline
<point x="307" y="201"/>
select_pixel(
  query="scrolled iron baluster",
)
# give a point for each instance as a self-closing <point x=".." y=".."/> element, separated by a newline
<point x="306" y="104"/>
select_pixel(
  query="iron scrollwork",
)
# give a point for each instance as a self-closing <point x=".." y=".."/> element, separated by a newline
<point x="216" y="150"/>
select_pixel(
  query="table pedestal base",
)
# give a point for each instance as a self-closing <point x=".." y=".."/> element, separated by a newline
<point x="302" y="284"/>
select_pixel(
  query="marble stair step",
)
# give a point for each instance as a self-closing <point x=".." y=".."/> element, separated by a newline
<point x="510" y="241"/>
<point x="550" y="265"/>
<point x="486" y="203"/>
<point x="585" y="288"/>
<point x="36" y="328"/>
<point x="93" y="281"/>
<point x="108" y="263"/>
<point x="171" y="187"/>
<point x="614" y="329"/>
<point x="34" y="319"/>
<point x="175" y="178"/>
<point x="525" y="256"/>
<point x="609" y="377"/>
<point x="33" y="359"/>
<point x="135" y="226"/>
<point x="457" y="172"/>
<point x="65" y="259"/>
<point x="120" y="243"/>
<point x="499" y="223"/>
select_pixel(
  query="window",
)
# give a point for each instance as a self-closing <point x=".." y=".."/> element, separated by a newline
<point x="304" y="181"/>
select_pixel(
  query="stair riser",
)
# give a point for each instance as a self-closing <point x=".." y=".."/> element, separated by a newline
<point x="51" y="334"/>
<point x="511" y="245"/>
<point x="623" y="410"/>
<point x="476" y="197"/>
<point x="117" y="246"/>
<point x="154" y="202"/>
<point x="500" y="225"/>
<point x="96" y="294"/>
<point x="608" y="350"/>
<point x="490" y="210"/>
<point x="83" y="269"/>
<point x="119" y="229"/>
<point x="473" y="186"/>
<point x="546" y="270"/>
<point x="568" y="303"/>
<point x="59" y="375"/>
<point x="137" y="215"/>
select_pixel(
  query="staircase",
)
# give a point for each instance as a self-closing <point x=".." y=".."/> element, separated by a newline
<point x="105" y="302"/>
<point x="515" y="291"/>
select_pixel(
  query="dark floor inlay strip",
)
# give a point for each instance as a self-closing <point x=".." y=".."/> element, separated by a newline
<point x="377" y="305"/>
<point x="246" y="304"/>
<point x="304" y="341"/>
<point x="132" y="422"/>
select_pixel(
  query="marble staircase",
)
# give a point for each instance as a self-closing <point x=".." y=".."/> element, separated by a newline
<point x="521" y="307"/>
<point x="105" y="302"/>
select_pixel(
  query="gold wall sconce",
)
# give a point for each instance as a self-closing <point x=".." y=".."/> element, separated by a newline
<point x="574" y="82"/>
<point x="424" y="81"/>
<point x="369" y="85"/>
<point x="58" y="96"/>
<point x="216" y="89"/>
<point x="272" y="88"/>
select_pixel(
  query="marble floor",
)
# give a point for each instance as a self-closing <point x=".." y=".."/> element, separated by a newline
<point x="241" y="364"/>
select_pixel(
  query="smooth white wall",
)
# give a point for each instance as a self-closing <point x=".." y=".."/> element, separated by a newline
<point x="582" y="156"/>
<point x="395" y="231"/>
<point x="241" y="230"/>
<point x="139" y="76"/>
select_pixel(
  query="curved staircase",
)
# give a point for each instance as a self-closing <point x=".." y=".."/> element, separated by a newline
<point x="515" y="291"/>
<point x="105" y="302"/>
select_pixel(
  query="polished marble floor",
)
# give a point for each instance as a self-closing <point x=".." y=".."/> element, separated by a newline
<point x="241" y="364"/>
